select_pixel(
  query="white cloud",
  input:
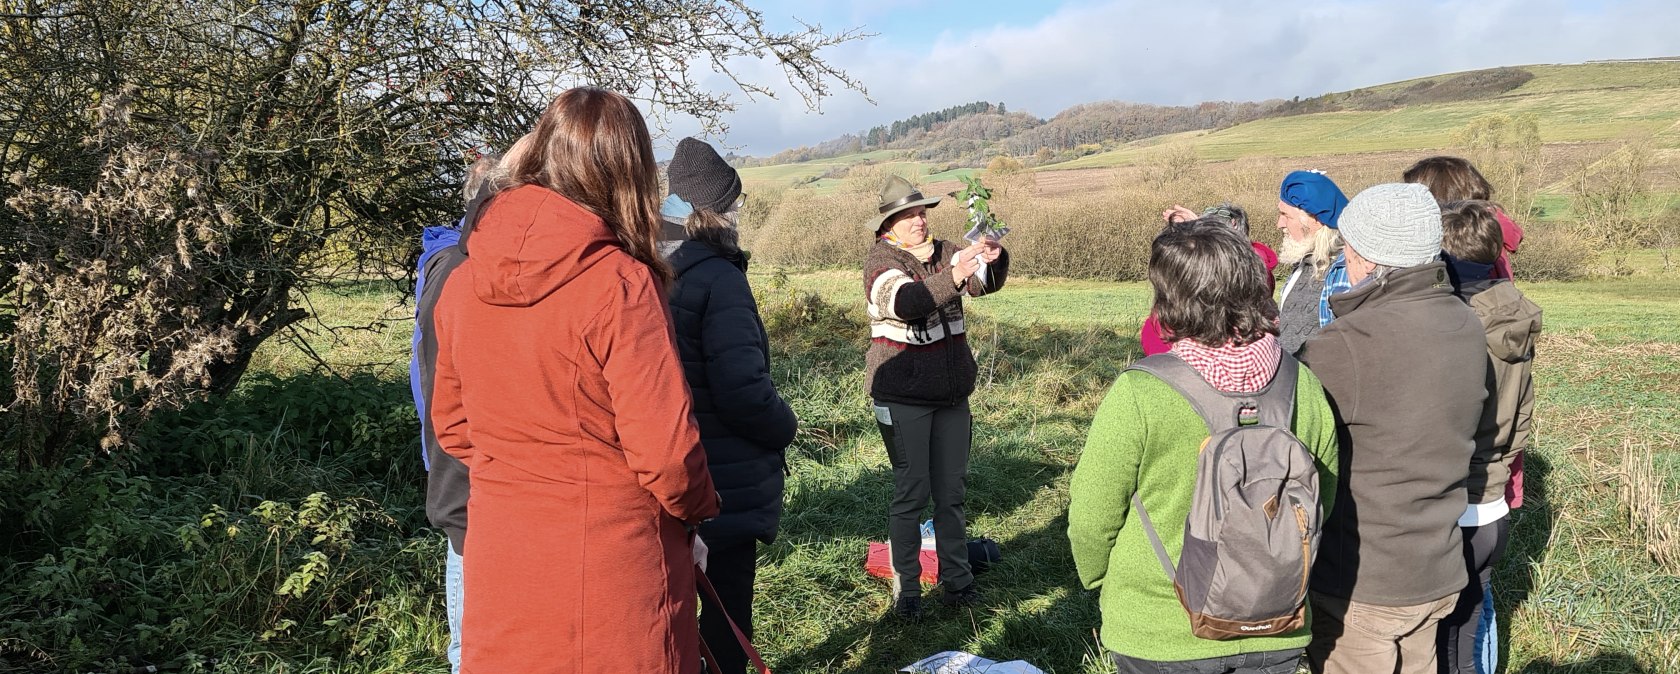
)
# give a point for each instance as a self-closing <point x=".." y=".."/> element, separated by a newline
<point x="1194" y="50"/>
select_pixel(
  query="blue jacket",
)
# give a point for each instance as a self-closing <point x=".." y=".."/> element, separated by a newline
<point x="443" y="249"/>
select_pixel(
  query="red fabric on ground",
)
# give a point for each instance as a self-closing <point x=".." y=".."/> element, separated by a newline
<point x="879" y="563"/>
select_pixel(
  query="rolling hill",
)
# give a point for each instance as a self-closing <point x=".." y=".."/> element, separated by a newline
<point x="1591" y="103"/>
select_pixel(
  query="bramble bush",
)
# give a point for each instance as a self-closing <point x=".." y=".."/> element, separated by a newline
<point x="282" y="529"/>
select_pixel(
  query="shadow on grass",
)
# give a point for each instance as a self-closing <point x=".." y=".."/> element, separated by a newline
<point x="1034" y="610"/>
<point x="1531" y="533"/>
<point x="1603" y="663"/>
<point x="1001" y="480"/>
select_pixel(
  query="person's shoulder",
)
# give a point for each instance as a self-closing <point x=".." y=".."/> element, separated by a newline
<point x="883" y="255"/>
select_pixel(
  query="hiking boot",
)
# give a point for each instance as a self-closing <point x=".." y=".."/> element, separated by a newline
<point x="907" y="608"/>
<point x="968" y="596"/>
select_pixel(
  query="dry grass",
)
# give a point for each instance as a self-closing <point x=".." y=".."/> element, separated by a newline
<point x="1647" y="500"/>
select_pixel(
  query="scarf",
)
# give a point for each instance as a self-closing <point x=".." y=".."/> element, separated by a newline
<point x="1230" y="368"/>
<point x="922" y="251"/>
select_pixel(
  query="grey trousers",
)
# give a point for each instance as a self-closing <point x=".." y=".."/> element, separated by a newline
<point x="928" y="447"/>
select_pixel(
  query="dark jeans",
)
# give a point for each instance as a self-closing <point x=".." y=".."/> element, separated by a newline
<point x="1269" y="662"/>
<point x="1456" y="640"/>
<point x="731" y="565"/>
<point x="929" y="451"/>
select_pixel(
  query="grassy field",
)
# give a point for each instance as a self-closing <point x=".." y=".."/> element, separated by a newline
<point x="1591" y="584"/>
<point x="1576" y="103"/>
<point x="1585" y="111"/>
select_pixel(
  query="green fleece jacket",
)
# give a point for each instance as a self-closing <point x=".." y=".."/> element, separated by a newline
<point x="1145" y="439"/>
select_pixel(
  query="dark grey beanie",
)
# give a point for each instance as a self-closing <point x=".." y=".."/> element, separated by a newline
<point x="702" y="178"/>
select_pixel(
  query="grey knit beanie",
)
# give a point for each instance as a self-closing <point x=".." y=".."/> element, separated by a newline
<point x="703" y="179"/>
<point x="1394" y="225"/>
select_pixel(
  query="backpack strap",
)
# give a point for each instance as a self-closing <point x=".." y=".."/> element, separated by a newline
<point x="1154" y="539"/>
<point x="705" y="584"/>
<point x="1221" y="411"/>
<point x="1215" y="408"/>
<point x="1277" y="400"/>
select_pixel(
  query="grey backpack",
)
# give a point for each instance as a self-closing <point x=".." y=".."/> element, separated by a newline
<point x="1252" y="532"/>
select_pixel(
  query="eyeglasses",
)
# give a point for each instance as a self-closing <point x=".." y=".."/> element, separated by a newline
<point x="739" y="202"/>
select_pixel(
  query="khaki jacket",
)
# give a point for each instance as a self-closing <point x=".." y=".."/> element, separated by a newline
<point x="1512" y="323"/>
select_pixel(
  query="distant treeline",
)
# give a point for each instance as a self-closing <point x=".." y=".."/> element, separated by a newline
<point x="971" y="134"/>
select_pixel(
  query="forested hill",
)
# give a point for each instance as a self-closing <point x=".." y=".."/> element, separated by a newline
<point x="969" y="134"/>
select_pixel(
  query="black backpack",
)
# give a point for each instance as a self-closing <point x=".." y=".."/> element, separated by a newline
<point x="1253" y="528"/>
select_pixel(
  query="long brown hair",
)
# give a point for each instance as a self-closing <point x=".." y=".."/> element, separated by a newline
<point x="714" y="230"/>
<point x="1450" y="179"/>
<point x="592" y="146"/>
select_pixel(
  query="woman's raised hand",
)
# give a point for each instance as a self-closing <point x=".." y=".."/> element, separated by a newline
<point x="968" y="262"/>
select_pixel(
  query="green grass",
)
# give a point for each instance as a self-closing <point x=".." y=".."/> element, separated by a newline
<point x="1581" y="590"/>
<point x="1578" y="592"/>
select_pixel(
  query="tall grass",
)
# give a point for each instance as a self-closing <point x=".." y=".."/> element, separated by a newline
<point x="1101" y="233"/>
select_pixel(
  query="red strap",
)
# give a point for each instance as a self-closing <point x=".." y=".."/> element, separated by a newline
<point x="741" y="637"/>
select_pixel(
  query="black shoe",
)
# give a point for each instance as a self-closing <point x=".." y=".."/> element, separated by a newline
<point x="968" y="596"/>
<point x="907" y="608"/>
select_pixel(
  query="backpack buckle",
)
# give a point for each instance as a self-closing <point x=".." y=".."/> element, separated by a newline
<point x="1248" y="415"/>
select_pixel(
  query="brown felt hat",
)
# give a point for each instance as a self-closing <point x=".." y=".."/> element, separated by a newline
<point x="898" y="194"/>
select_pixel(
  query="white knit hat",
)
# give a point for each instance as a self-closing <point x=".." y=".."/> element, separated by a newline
<point x="1394" y="225"/>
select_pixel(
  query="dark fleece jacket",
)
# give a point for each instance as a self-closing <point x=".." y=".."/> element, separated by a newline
<point x="447" y="485"/>
<point x="1406" y="367"/>
<point x="745" y="426"/>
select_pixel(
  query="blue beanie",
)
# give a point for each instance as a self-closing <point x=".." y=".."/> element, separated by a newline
<point x="1313" y="192"/>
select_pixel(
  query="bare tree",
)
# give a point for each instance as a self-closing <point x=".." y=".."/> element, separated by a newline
<point x="1613" y="204"/>
<point x="1507" y="151"/>
<point x="179" y="174"/>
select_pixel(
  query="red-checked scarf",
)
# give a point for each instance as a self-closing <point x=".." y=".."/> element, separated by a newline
<point x="1234" y="369"/>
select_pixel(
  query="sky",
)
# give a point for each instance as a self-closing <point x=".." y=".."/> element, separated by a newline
<point x="1042" y="56"/>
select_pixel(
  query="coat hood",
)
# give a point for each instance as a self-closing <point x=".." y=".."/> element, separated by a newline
<point x="530" y="242"/>
<point x="1511" y="319"/>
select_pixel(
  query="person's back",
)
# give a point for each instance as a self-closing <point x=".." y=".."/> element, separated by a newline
<point x="1395" y="363"/>
<point x="1473" y="240"/>
<point x="1512" y="327"/>
<point x="1145" y="441"/>
<point x="1407" y="373"/>
<point x="745" y="425"/>
<point x="557" y="382"/>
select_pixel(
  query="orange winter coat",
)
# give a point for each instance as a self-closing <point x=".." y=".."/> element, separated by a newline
<point x="558" y="384"/>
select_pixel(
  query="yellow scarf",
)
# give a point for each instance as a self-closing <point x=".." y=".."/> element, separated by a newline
<point x="922" y="251"/>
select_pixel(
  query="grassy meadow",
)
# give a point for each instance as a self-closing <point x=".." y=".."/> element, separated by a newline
<point x="1585" y="112"/>
<point x="1585" y="103"/>
<point x="1591" y="584"/>
<point x="282" y="529"/>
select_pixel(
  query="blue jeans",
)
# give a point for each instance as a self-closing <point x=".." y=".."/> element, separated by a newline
<point x="453" y="602"/>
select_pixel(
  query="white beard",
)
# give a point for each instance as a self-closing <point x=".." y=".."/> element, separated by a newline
<point x="1291" y="251"/>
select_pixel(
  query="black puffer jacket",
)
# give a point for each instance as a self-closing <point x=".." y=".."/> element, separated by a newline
<point x="745" y="425"/>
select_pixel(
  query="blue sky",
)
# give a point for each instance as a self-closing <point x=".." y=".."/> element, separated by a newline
<point x="1043" y="56"/>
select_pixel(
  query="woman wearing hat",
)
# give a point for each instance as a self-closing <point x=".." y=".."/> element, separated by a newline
<point x="744" y="423"/>
<point x="920" y="373"/>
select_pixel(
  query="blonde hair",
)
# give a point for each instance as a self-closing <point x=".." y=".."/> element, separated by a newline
<point x="1326" y="245"/>
<point x="713" y="229"/>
